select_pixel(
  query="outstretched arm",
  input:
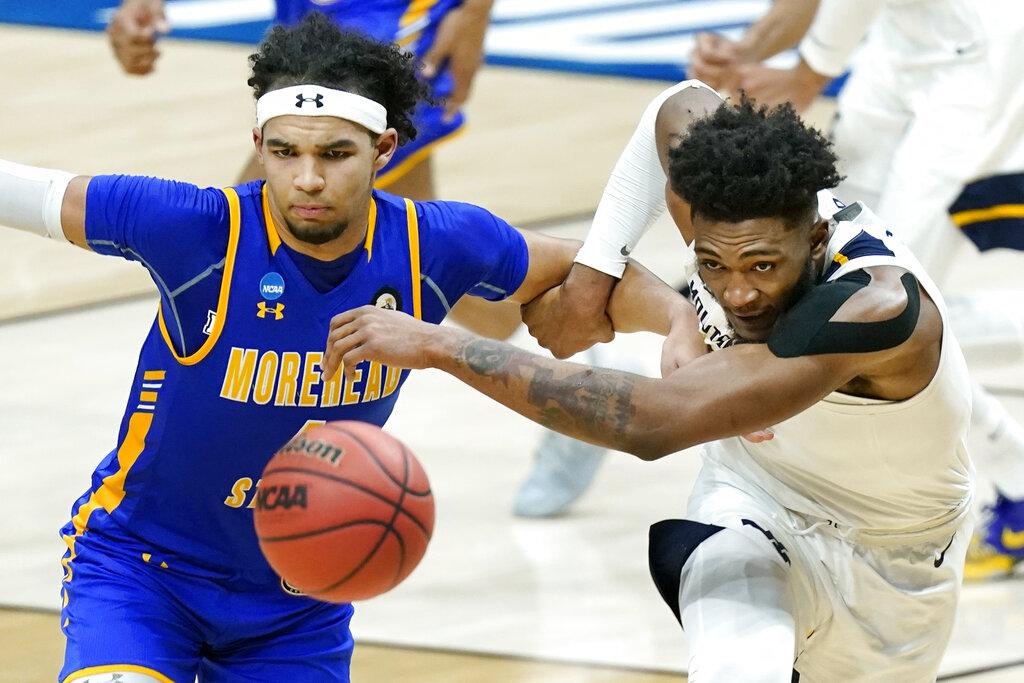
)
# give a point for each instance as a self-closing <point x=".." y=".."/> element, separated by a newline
<point x="727" y="393"/>
<point x="44" y="202"/>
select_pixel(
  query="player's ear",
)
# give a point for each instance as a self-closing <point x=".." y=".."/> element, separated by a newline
<point x="257" y="140"/>
<point x="386" y="145"/>
<point x="819" y="239"/>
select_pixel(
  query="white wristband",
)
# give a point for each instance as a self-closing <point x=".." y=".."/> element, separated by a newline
<point x="633" y="198"/>
<point x="31" y="199"/>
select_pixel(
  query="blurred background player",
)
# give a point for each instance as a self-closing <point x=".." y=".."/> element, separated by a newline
<point x="446" y="35"/>
<point x="929" y="127"/>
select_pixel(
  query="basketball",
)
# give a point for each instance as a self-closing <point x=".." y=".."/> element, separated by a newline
<point x="344" y="512"/>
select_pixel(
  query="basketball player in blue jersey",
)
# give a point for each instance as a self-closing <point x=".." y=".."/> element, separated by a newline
<point x="164" y="579"/>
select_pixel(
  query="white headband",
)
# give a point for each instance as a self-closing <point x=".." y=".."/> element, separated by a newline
<point x="315" y="100"/>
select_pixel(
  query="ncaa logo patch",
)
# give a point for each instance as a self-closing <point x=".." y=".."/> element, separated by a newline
<point x="272" y="286"/>
<point x="388" y="299"/>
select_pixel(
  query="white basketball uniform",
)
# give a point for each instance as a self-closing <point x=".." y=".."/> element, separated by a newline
<point x="860" y="505"/>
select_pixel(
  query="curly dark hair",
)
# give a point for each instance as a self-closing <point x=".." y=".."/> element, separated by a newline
<point x="745" y="161"/>
<point x="317" y="52"/>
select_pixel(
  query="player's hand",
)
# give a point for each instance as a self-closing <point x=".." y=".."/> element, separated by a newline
<point x="571" y="317"/>
<point x="369" y="333"/>
<point x="799" y="85"/>
<point x="684" y="341"/>
<point x="133" y="31"/>
<point x="459" y="45"/>
<point x="715" y="60"/>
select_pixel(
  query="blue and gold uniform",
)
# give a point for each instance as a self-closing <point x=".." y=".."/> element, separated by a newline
<point x="412" y="25"/>
<point x="163" y="571"/>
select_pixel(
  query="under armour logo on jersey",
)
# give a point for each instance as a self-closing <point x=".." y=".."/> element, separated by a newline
<point x="277" y="311"/>
<point x="302" y="99"/>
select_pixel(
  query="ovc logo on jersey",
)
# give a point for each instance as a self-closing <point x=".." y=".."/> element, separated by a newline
<point x="272" y="286"/>
<point x="388" y="299"/>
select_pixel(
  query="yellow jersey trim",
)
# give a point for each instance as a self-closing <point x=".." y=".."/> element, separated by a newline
<point x="225" y="289"/>
<point x="117" y="668"/>
<point x="391" y="176"/>
<point x="154" y="374"/>
<point x="273" y="237"/>
<point x="414" y="257"/>
<point x="993" y="213"/>
<point x="371" y="229"/>
<point x="840" y="259"/>
<point x="111" y="492"/>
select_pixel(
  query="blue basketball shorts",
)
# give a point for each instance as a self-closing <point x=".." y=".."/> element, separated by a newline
<point x="122" y="613"/>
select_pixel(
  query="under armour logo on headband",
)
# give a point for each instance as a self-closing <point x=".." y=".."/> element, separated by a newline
<point x="291" y="101"/>
<point x="301" y="99"/>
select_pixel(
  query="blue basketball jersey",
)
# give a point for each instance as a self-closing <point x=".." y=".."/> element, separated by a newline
<point x="227" y="376"/>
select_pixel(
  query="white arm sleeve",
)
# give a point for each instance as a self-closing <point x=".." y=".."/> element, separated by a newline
<point x="31" y="199"/>
<point x="633" y="198"/>
<point x="837" y="29"/>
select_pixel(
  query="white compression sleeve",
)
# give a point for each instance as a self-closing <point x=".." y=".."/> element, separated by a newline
<point x="837" y="29"/>
<point x="633" y="198"/>
<point x="31" y="199"/>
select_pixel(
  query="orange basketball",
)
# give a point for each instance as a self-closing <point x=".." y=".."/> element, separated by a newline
<point x="344" y="512"/>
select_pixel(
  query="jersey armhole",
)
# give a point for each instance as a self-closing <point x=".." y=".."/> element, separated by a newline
<point x="235" y="215"/>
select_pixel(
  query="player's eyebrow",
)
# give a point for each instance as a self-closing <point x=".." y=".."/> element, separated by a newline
<point x="761" y="252"/>
<point x="277" y="142"/>
<point x="707" y="251"/>
<point x="343" y="142"/>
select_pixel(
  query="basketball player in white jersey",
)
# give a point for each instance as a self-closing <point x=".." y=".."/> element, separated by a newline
<point x="929" y="127"/>
<point x="834" y="543"/>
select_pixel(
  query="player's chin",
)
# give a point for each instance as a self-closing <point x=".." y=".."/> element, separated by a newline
<point x="753" y="331"/>
<point x="315" y="232"/>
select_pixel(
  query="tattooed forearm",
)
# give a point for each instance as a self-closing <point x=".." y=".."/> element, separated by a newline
<point x="594" y="398"/>
<point x="596" y="404"/>
<point x="487" y="357"/>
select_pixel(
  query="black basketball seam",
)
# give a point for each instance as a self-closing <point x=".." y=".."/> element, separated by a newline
<point x="401" y="559"/>
<point x="373" y="456"/>
<point x="358" y="567"/>
<point x="349" y="482"/>
<point x="389" y="528"/>
<point x="317" y="532"/>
